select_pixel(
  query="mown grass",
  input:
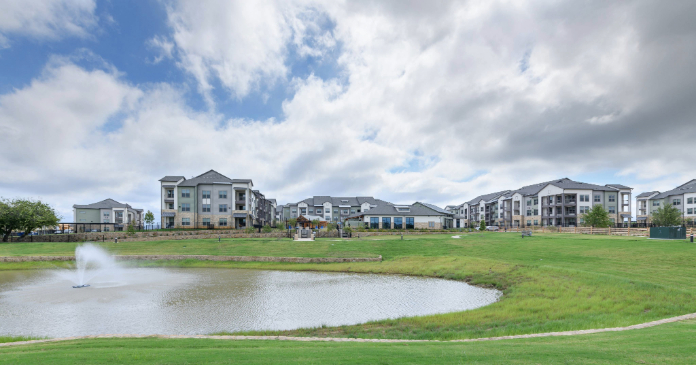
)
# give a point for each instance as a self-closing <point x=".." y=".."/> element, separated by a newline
<point x="551" y="282"/>
<point x="668" y="344"/>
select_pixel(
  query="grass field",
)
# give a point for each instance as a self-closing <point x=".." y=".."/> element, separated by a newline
<point x="551" y="282"/>
<point x="667" y="344"/>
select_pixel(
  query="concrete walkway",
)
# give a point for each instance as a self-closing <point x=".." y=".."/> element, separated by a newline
<point x="341" y="339"/>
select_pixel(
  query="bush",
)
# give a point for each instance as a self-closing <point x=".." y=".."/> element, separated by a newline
<point x="266" y="229"/>
<point x="249" y="230"/>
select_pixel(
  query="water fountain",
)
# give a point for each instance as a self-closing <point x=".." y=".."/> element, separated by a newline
<point x="91" y="261"/>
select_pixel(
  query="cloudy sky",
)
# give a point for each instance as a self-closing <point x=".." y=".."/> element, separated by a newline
<point x="436" y="101"/>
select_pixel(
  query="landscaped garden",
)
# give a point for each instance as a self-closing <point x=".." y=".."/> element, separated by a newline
<point x="551" y="282"/>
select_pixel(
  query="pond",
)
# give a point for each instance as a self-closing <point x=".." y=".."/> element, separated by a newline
<point x="204" y="301"/>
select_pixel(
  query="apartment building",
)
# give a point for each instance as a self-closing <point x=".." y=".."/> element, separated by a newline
<point x="211" y="200"/>
<point x="683" y="197"/>
<point x="332" y="209"/>
<point x="116" y="215"/>
<point x="559" y="202"/>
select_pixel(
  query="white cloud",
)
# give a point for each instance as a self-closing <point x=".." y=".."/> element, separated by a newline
<point x="437" y="87"/>
<point x="45" y="19"/>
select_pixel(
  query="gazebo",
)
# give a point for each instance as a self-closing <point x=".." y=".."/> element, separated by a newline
<point x="306" y="221"/>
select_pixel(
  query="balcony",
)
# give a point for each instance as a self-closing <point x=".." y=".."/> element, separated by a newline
<point x="571" y="203"/>
<point x="240" y="202"/>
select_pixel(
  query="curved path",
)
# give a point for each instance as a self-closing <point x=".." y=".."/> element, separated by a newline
<point x="341" y="339"/>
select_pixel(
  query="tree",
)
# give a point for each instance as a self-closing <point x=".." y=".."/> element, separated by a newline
<point x="597" y="216"/>
<point x="266" y="229"/>
<point x="482" y="227"/>
<point x="292" y="222"/>
<point x="667" y="216"/>
<point x="149" y="217"/>
<point x="25" y="215"/>
<point x="315" y="223"/>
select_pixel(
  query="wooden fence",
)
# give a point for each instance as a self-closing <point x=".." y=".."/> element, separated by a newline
<point x="637" y="232"/>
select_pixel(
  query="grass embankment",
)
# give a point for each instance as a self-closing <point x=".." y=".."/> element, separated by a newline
<point x="551" y="282"/>
<point x="668" y="344"/>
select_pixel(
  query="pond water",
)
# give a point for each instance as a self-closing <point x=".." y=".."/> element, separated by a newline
<point x="203" y="301"/>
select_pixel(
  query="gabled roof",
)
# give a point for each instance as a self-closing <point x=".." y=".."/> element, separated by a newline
<point x="619" y="186"/>
<point x="570" y="184"/>
<point x="689" y="187"/>
<point x="335" y="201"/>
<point x="647" y="194"/>
<point x="212" y="177"/>
<point x="433" y="207"/>
<point x="390" y="210"/>
<point x="487" y="197"/>
<point x="104" y="204"/>
<point x="172" y="178"/>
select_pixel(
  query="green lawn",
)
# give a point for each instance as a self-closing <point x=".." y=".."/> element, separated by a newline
<point x="551" y="282"/>
<point x="667" y="344"/>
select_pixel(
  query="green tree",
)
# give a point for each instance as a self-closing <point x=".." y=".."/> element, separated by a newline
<point x="292" y="222"/>
<point x="597" y="216"/>
<point x="149" y="217"/>
<point x="315" y="223"/>
<point x="667" y="216"/>
<point x="331" y="226"/>
<point x="482" y="226"/>
<point x="25" y="215"/>
<point x="131" y="229"/>
<point x="266" y="229"/>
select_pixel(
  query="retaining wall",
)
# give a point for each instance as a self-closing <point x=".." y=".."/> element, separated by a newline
<point x="299" y="260"/>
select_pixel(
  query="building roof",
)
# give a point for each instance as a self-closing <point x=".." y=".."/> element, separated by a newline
<point x="172" y="178"/>
<point x="272" y="201"/>
<point x="434" y="207"/>
<point x="104" y="204"/>
<point x="212" y="177"/>
<point x="619" y="186"/>
<point x="689" y="187"/>
<point x="570" y="184"/>
<point x="414" y="210"/>
<point x="647" y="194"/>
<point x="352" y="201"/>
<point x="487" y="197"/>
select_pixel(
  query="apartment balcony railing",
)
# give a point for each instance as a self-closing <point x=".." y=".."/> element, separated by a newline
<point x="571" y="202"/>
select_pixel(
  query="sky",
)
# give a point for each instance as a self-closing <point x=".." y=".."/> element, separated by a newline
<point x="435" y="101"/>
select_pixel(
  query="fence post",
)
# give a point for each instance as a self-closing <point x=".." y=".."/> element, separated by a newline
<point x="576" y="229"/>
<point x="610" y="230"/>
<point x="591" y="229"/>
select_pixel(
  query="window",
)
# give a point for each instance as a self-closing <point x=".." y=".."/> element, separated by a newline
<point x="529" y="212"/>
<point x="597" y="198"/>
<point x="352" y="211"/>
<point x="185" y="193"/>
<point x="409" y="223"/>
<point x="344" y="211"/>
<point x="584" y="209"/>
<point x="170" y="205"/>
<point x="431" y="224"/>
<point x="398" y="223"/>
<point x="612" y="210"/>
<point x="536" y="211"/>
<point x="529" y="202"/>
<point x="294" y="210"/>
<point x="206" y="194"/>
<point x="206" y="221"/>
<point x="106" y="215"/>
<point x="536" y="222"/>
<point x="335" y="211"/>
<point x="185" y="207"/>
<point x="656" y="203"/>
<point x="222" y="222"/>
<point x="82" y="220"/>
<point x="690" y="201"/>
<point x="106" y="229"/>
<point x="676" y="201"/>
<point x="223" y="208"/>
<point x="311" y="211"/>
<point x="374" y="222"/>
<point x="529" y="223"/>
<point x="206" y="208"/>
<point x="581" y="221"/>
<point x="222" y="194"/>
<point x="328" y="217"/>
<point x="550" y="200"/>
<point x="612" y="220"/>
<point x="612" y="198"/>
<point x="536" y="201"/>
<point x="303" y="210"/>
<point x="170" y="194"/>
<point x="185" y="221"/>
<point x="690" y="211"/>
<point x="386" y="222"/>
<point x="584" y="198"/>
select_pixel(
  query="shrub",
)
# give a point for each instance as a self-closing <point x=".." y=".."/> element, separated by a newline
<point x="249" y="230"/>
<point x="266" y="229"/>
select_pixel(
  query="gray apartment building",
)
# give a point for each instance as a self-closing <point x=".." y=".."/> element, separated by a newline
<point x="683" y="197"/>
<point x="332" y="209"/>
<point x="212" y="200"/>
<point x="117" y="215"/>
<point x="560" y="202"/>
